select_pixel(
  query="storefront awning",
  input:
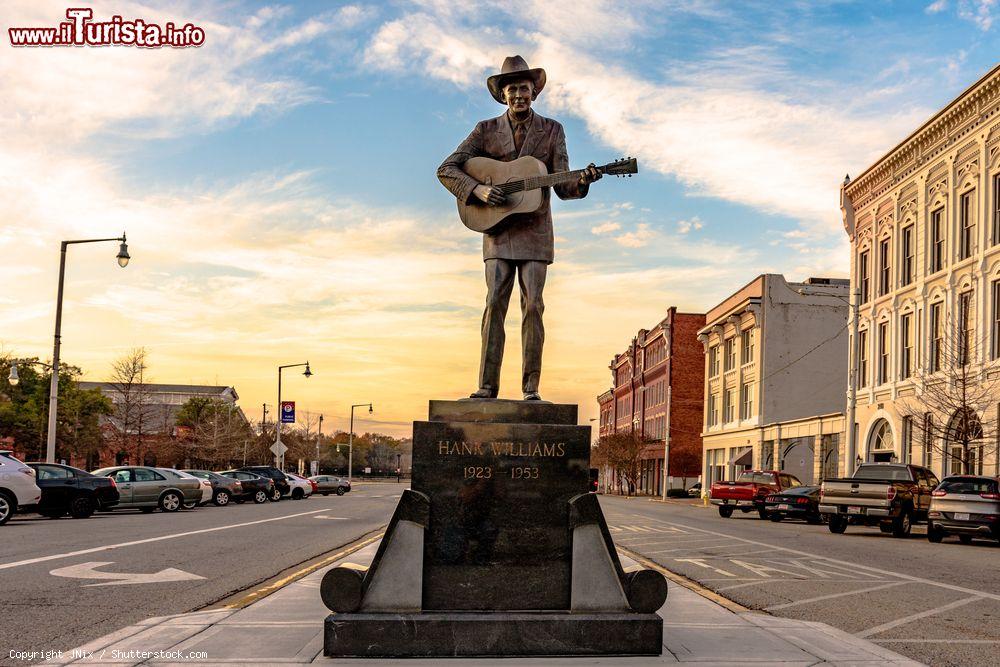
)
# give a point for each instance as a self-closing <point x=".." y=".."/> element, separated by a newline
<point x="744" y="459"/>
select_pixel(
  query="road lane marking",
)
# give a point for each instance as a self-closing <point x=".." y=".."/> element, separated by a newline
<point x="666" y="551"/>
<point x="90" y="571"/>
<point x="836" y="561"/>
<point x="935" y="641"/>
<point x="331" y="518"/>
<point x="108" y="547"/>
<point x="831" y="596"/>
<point x="701" y="563"/>
<point x="916" y="617"/>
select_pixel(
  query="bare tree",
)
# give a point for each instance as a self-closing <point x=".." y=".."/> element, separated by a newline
<point x="954" y="411"/>
<point x="128" y="381"/>
<point x="622" y="452"/>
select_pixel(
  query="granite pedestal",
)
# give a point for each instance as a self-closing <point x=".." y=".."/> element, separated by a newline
<point x="497" y="550"/>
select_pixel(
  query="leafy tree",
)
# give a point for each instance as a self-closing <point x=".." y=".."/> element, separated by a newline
<point x="621" y="452"/>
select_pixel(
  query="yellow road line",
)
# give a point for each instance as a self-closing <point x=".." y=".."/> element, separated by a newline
<point x="681" y="580"/>
<point x="264" y="591"/>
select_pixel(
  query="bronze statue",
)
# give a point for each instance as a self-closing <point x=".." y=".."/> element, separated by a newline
<point x="522" y="243"/>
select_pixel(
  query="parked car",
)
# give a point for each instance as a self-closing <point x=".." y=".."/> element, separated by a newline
<point x="224" y="489"/>
<point x="749" y="491"/>
<point x="299" y="487"/>
<point x="255" y="487"/>
<point x="281" y="485"/>
<point x="68" y="489"/>
<point x="17" y="486"/>
<point x="967" y="506"/>
<point x="206" y="487"/>
<point x="695" y="490"/>
<point x="800" y="502"/>
<point x="145" y="488"/>
<point x="327" y="484"/>
<point x="892" y="496"/>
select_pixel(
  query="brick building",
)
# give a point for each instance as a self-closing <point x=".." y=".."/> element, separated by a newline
<point x="658" y="385"/>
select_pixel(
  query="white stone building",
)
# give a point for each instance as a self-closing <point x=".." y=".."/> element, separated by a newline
<point x="924" y="226"/>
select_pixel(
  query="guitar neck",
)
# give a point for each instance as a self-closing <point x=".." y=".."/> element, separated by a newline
<point x="546" y="181"/>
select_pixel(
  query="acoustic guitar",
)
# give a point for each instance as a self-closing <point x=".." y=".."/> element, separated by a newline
<point x="521" y="181"/>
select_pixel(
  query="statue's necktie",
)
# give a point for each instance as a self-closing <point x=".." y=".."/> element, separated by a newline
<point x="519" y="132"/>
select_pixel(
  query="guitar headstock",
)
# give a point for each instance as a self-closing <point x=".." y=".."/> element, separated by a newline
<point x="625" y="166"/>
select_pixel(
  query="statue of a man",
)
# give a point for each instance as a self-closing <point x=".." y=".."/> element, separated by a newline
<point x="523" y="243"/>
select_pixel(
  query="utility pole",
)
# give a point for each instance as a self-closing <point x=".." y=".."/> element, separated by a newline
<point x="852" y="388"/>
<point x="666" y="447"/>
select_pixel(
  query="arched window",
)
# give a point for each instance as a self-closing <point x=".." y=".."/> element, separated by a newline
<point x="881" y="446"/>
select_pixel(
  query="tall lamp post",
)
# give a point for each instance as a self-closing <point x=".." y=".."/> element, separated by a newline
<point x="123" y="258"/>
<point x="350" y="437"/>
<point x="279" y="454"/>
<point x="318" y="438"/>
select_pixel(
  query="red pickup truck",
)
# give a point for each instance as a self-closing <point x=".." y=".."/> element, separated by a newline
<point x="748" y="492"/>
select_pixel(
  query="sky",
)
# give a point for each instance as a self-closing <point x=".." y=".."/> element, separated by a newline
<point x="277" y="184"/>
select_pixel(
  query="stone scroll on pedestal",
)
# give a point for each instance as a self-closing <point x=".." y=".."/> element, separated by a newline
<point x="497" y="550"/>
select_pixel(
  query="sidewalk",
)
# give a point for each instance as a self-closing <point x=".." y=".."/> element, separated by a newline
<point x="287" y="628"/>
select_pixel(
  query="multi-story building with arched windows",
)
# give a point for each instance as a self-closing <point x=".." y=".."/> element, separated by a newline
<point x="924" y="225"/>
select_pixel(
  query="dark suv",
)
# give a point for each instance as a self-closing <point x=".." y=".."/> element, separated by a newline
<point x="281" y="485"/>
<point x="66" y="489"/>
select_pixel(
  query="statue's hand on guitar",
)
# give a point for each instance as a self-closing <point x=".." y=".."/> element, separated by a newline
<point x="489" y="195"/>
<point x="590" y="174"/>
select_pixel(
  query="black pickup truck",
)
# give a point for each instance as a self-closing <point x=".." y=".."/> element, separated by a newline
<point x="892" y="496"/>
<point x="68" y="489"/>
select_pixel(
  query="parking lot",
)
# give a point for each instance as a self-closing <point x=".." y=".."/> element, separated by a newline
<point x="67" y="581"/>
<point x="933" y="602"/>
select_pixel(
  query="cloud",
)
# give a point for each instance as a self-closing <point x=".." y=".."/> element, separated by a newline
<point x="980" y="12"/>
<point x="709" y="125"/>
<point x="639" y="237"/>
<point x="685" y="226"/>
<point x="936" y="7"/>
<point x="605" y="228"/>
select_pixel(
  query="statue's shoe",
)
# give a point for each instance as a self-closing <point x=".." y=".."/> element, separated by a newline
<point x="532" y="396"/>
<point x="483" y="393"/>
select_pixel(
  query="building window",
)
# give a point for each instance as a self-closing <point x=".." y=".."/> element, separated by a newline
<point x="729" y="406"/>
<point x="713" y="361"/>
<point x="964" y="327"/>
<point x="937" y="337"/>
<point x="713" y="410"/>
<point x="885" y="268"/>
<point x="864" y="276"/>
<point x="955" y="467"/>
<point x="882" y="437"/>
<point x="937" y="240"/>
<point x="996" y="209"/>
<point x="996" y="320"/>
<point x="967" y="220"/>
<point x="925" y="456"/>
<point x="730" y="353"/>
<point x="907" y="437"/>
<point x="746" y="340"/>
<point x="862" y="358"/>
<point x="906" y="272"/>
<point x="746" y="401"/>
<point x="883" y="353"/>
<point x="906" y="351"/>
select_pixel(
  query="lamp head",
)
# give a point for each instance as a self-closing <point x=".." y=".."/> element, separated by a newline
<point x="307" y="372"/>
<point x="370" y="408"/>
<point x="123" y="256"/>
<point x="13" y="379"/>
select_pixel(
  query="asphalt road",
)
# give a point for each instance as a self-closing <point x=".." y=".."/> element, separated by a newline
<point x="937" y="603"/>
<point x="218" y="551"/>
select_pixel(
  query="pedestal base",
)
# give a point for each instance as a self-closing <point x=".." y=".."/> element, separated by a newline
<point x="495" y="634"/>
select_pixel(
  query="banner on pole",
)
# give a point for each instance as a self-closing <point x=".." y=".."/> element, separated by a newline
<point x="288" y="412"/>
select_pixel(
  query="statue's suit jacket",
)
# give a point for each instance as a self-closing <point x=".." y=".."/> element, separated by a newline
<point x="525" y="236"/>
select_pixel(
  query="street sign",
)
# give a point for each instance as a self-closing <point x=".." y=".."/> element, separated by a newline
<point x="278" y="448"/>
<point x="288" y="412"/>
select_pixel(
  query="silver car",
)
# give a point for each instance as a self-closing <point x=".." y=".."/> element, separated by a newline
<point x="967" y="506"/>
<point x="327" y="484"/>
<point x="146" y="488"/>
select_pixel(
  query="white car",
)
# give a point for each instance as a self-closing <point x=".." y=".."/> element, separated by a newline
<point x="298" y="487"/>
<point x="17" y="486"/>
<point x="206" y="486"/>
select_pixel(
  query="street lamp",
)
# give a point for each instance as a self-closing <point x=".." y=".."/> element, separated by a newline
<point x="318" y="438"/>
<point x="279" y="455"/>
<point x="123" y="258"/>
<point x="350" y="437"/>
<point x="13" y="378"/>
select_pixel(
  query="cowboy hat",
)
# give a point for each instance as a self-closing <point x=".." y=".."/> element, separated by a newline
<point x="514" y="68"/>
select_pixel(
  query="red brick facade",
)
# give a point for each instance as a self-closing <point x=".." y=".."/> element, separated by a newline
<point x="661" y="371"/>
